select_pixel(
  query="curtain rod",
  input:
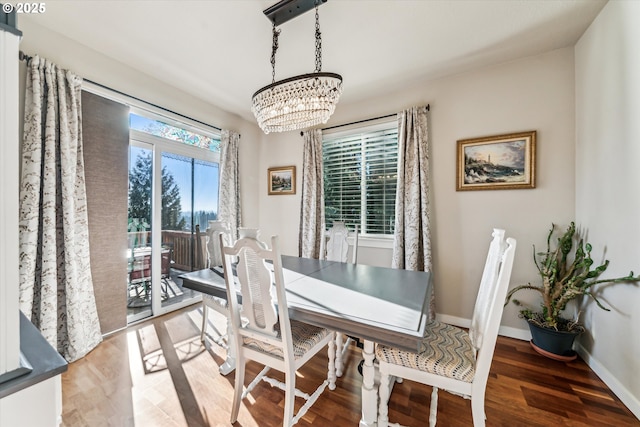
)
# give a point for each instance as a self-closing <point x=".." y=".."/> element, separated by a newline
<point x="364" y="121"/>
<point x="153" y="105"/>
<point x="24" y="57"/>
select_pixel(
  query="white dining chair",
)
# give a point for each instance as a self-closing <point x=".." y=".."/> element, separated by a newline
<point x="214" y="230"/>
<point x="453" y="359"/>
<point x="262" y="329"/>
<point x="335" y="247"/>
<point x="210" y="302"/>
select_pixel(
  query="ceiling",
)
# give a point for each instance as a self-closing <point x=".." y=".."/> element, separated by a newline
<point x="220" y="50"/>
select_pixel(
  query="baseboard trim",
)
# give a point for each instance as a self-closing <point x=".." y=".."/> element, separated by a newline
<point x="623" y="393"/>
<point x="115" y="331"/>
<point x="453" y="320"/>
<point x="505" y="331"/>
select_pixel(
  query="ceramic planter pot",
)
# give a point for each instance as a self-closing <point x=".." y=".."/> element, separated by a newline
<point x="554" y="344"/>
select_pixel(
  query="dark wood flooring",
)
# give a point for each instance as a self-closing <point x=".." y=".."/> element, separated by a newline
<point x="158" y="373"/>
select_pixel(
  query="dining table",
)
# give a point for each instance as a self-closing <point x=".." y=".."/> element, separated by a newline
<point x="376" y="304"/>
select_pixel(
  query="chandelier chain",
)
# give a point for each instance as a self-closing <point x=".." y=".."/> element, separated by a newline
<point x="274" y="48"/>
<point x="318" y="42"/>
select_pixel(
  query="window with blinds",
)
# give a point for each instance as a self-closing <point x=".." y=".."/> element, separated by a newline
<point x="360" y="173"/>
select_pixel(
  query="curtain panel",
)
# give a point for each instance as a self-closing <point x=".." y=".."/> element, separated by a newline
<point x="412" y="238"/>
<point x="105" y="144"/>
<point x="229" y="191"/>
<point x="312" y="200"/>
<point x="56" y="286"/>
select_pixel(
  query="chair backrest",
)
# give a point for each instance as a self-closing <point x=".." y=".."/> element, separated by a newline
<point x="263" y="305"/>
<point x="490" y="301"/>
<point x="337" y="244"/>
<point x="214" y="230"/>
<point x="254" y="233"/>
<point x="165" y="261"/>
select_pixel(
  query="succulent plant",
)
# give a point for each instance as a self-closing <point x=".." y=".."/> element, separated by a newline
<point x="566" y="274"/>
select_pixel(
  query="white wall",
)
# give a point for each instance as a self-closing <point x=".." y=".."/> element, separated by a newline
<point x="531" y="94"/>
<point x="608" y="186"/>
<point x="280" y="214"/>
<point x="94" y="66"/>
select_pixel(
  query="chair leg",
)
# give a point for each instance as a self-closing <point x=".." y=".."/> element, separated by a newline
<point x="477" y="410"/>
<point x="289" y="397"/>
<point x="433" y="409"/>
<point x="342" y="349"/>
<point x="230" y="361"/>
<point x="164" y="290"/>
<point x="239" y="385"/>
<point x="203" y="330"/>
<point x="384" y="392"/>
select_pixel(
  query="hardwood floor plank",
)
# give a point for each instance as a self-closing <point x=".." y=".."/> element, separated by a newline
<point x="159" y="374"/>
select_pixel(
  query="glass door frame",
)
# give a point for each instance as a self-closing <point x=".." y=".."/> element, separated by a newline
<point x="160" y="145"/>
<point x="144" y="314"/>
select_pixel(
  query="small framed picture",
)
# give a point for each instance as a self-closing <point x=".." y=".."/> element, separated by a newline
<point x="498" y="162"/>
<point x="282" y="180"/>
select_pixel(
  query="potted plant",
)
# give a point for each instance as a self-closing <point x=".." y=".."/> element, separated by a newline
<point x="567" y="272"/>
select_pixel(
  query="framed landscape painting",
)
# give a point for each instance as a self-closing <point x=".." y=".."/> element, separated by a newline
<point x="498" y="162"/>
<point x="282" y="180"/>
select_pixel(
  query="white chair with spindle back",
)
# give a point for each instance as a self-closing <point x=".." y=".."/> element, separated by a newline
<point x="452" y="358"/>
<point x="335" y="247"/>
<point x="216" y="229"/>
<point x="262" y="329"/>
<point x="335" y="244"/>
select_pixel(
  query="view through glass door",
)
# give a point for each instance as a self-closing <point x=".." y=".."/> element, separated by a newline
<point x="189" y="201"/>
<point x="139" y="232"/>
<point x="167" y="232"/>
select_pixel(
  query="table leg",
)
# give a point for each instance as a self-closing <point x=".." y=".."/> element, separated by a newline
<point x="369" y="391"/>
<point x="339" y="361"/>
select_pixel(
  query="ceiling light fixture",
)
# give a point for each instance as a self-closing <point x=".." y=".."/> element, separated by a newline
<point x="302" y="101"/>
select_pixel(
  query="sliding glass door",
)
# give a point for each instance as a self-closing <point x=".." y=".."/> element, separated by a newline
<point x="189" y="200"/>
<point x="139" y="232"/>
<point x="173" y="193"/>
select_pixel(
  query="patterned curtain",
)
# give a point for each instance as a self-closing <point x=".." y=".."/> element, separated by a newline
<point x="229" y="194"/>
<point x="56" y="287"/>
<point x="312" y="204"/>
<point x="412" y="239"/>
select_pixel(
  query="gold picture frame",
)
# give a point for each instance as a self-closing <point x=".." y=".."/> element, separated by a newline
<point x="513" y="165"/>
<point x="282" y="180"/>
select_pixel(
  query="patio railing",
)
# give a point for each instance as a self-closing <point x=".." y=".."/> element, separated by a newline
<point x="180" y="244"/>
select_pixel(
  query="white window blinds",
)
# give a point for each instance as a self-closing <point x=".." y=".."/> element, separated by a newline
<point x="360" y="173"/>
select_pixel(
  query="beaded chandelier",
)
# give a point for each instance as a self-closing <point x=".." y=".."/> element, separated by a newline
<point x="297" y="102"/>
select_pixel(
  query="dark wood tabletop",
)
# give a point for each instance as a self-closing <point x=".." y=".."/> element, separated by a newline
<point x="383" y="305"/>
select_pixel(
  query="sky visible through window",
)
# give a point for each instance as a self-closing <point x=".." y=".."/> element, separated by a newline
<point x="205" y="182"/>
<point x="205" y="174"/>
<point x="164" y="130"/>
